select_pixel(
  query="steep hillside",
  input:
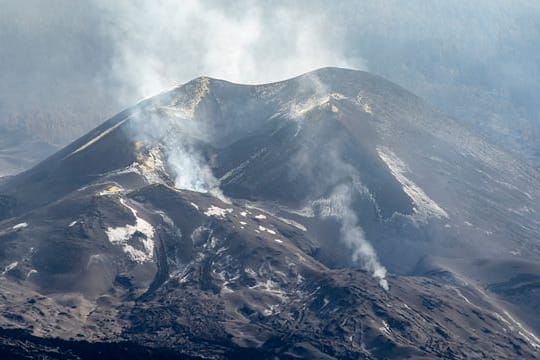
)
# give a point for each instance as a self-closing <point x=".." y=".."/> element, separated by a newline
<point x="333" y="215"/>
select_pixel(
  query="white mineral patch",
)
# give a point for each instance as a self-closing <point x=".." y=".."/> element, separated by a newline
<point x="262" y="228"/>
<point x="121" y="236"/>
<point x="31" y="272"/>
<point x="531" y="338"/>
<point x="113" y="189"/>
<point x="217" y="211"/>
<point x="385" y="328"/>
<point x="272" y="288"/>
<point x="363" y="101"/>
<point x="298" y="110"/>
<point x="367" y="108"/>
<point x="460" y="294"/>
<point x="424" y="205"/>
<point x="10" y="267"/>
<point x="20" y="226"/>
<point x="293" y="223"/>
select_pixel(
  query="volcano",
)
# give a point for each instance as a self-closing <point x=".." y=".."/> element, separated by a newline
<point x="334" y="215"/>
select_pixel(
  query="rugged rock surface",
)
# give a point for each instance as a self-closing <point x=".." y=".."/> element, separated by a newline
<point x="229" y="221"/>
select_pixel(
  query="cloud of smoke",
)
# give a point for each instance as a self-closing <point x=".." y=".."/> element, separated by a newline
<point x="338" y="205"/>
<point x="176" y="135"/>
<point x="312" y="93"/>
<point x="159" y="44"/>
<point x="192" y="172"/>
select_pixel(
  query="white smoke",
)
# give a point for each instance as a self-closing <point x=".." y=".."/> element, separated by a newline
<point x="312" y="93"/>
<point x="177" y="137"/>
<point x="159" y="44"/>
<point x="192" y="172"/>
<point x="338" y="205"/>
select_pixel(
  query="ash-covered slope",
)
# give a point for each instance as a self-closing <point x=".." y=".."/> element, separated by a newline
<point x="224" y="220"/>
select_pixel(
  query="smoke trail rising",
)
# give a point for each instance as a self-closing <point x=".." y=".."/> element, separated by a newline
<point x="338" y="205"/>
<point x="158" y="44"/>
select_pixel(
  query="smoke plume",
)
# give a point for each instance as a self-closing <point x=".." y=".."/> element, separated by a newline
<point x="160" y="44"/>
<point x="338" y="205"/>
<point x="176" y="137"/>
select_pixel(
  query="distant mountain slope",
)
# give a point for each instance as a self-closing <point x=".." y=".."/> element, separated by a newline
<point x="29" y="135"/>
<point x="19" y="151"/>
<point x="333" y="215"/>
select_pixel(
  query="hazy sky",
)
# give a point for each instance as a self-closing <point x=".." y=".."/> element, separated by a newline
<point x="60" y="52"/>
